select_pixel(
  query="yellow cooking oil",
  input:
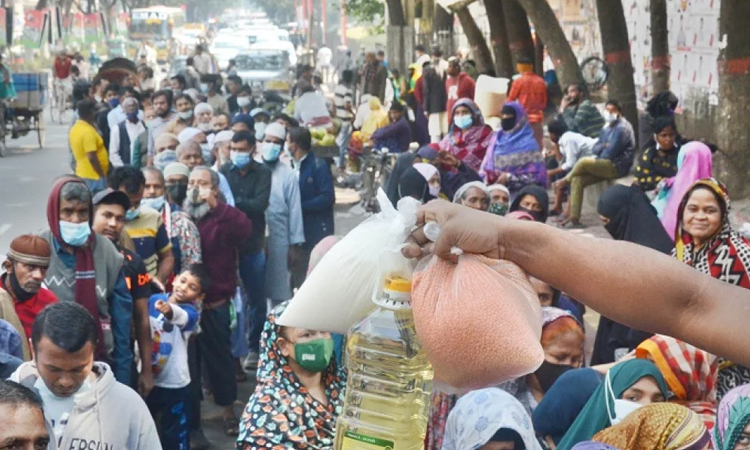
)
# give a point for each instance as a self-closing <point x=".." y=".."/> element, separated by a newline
<point x="390" y="379"/>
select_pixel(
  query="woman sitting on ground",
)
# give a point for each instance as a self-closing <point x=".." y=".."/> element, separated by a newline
<point x="499" y="199"/>
<point x="533" y="200"/>
<point x="468" y="137"/>
<point x="732" y="430"/>
<point x="474" y="195"/>
<point x="421" y="181"/>
<point x="453" y="172"/>
<point x="297" y="400"/>
<point x="659" y="161"/>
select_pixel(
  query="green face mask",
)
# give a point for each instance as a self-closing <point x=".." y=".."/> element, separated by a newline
<point x="499" y="209"/>
<point x="315" y="355"/>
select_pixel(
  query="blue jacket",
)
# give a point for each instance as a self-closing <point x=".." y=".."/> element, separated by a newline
<point x="318" y="197"/>
<point x="617" y="144"/>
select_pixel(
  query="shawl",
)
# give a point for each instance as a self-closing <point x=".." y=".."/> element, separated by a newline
<point x="427" y="170"/>
<point x="732" y="418"/>
<point x="658" y="426"/>
<point x="726" y="256"/>
<point x="694" y="163"/>
<point x="691" y="373"/>
<point x="478" y="415"/>
<point x="469" y="145"/>
<point x="594" y="417"/>
<point x="281" y="414"/>
<point x="516" y="152"/>
<point x="537" y="192"/>
<point x="85" y="270"/>
<point x="632" y="218"/>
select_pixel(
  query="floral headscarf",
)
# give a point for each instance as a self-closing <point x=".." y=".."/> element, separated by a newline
<point x="732" y="418"/>
<point x="469" y="145"/>
<point x="281" y="414"/>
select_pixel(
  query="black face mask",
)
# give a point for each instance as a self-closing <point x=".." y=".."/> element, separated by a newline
<point x="548" y="373"/>
<point x="537" y="215"/>
<point x="18" y="291"/>
<point x="177" y="193"/>
<point x="508" y="124"/>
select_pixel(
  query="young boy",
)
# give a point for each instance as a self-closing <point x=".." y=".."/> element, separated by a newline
<point x="173" y="318"/>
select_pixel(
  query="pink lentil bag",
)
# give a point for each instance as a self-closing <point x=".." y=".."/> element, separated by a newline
<point x="479" y="320"/>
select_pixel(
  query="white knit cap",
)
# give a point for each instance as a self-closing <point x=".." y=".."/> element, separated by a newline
<point x="276" y="130"/>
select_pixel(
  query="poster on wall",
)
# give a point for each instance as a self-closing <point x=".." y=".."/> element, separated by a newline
<point x="33" y="29"/>
<point x="92" y="23"/>
<point x="3" y="27"/>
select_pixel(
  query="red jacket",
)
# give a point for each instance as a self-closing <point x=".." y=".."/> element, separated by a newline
<point x="457" y="88"/>
<point x="419" y="91"/>
<point x="531" y="91"/>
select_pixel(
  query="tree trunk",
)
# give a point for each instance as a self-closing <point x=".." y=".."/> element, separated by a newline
<point x="539" y="56"/>
<point x="616" y="47"/>
<point x="519" y="32"/>
<point x="733" y="124"/>
<point x="41" y="4"/>
<point x="396" y="13"/>
<point x="499" y="38"/>
<point x="476" y="39"/>
<point x="659" y="46"/>
<point x="549" y="29"/>
<point x="443" y="19"/>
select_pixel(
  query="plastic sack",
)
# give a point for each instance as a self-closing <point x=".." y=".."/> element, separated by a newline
<point x="339" y="293"/>
<point x="479" y="320"/>
<point x="490" y="95"/>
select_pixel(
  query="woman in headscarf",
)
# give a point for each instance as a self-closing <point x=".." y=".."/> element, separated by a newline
<point x="627" y="216"/>
<point x="513" y="156"/>
<point x="415" y="183"/>
<point x="432" y="175"/>
<point x="691" y="373"/>
<point x="636" y="381"/>
<point x="707" y="242"/>
<point x="732" y="430"/>
<point x="468" y="136"/>
<point x="296" y="402"/>
<point x="563" y="402"/>
<point x="499" y="199"/>
<point x="485" y="418"/>
<point x="659" y="161"/>
<point x="453" y="172"/>
<point x="661" y="426"/>
<point x="694" y="162"/>
<point x="403" y="162"/>
<point x="474" y="195"/>
<point x="533" y="200"/>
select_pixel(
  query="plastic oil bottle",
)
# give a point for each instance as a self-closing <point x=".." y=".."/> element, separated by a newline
<point x="390" y="379"/>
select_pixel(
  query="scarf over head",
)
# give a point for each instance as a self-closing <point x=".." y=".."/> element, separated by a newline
<point x="478" y="415"/>
<point x="540" y="195"/>
<point x="427" y="170"/>
<point x="732" y="418"/>
<point x="462" y="190"/>
<point x="594" y="416"/>
<point x="726" y="256"/>
<point x="85" y="270"/>
<point x="281" y="412"/>
<point x="468" y="145"/>
<point x="413" y="184"/>
<point x="516" y="152"/>
<point x="694" y="162"/>
<point x="632" y="218"/>
<point x="658" y="426"/>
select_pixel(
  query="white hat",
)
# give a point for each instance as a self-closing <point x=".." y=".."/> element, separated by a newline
<point x="187" y="134"/>
<point x="223" y="136"/>
<point x="276" y="130"/>
<point x="202" y="107"/>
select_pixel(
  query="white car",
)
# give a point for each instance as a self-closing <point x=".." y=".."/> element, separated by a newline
<point x="226" y="47"/>
<point x="265" y="69"/>
<point x="285" y="46"/>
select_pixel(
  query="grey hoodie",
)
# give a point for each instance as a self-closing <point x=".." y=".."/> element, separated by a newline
<point x="110" y="416"/>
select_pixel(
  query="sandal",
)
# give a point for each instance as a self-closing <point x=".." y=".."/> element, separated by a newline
<point x="231" y="427"/>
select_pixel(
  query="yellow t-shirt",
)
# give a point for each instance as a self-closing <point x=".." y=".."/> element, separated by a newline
<point x="83" y="139"/>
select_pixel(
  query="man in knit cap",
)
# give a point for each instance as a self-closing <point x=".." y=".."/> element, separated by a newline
<point x="21" y="293"/>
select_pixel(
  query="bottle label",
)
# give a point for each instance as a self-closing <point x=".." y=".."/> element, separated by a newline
<point x="354" y="441"/>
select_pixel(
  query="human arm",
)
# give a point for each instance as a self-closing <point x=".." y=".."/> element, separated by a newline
<point x="622" y="279"/>
<point x="258" y="203"/>
<point x="387" y="131"/>
<point x="121" y="313"/>
<point x="91" y="145"/>
<point x="296" y="229"/>
<point x="226" y="190"/>
<point x="515" y="89"/>
<point x="325" y="195"/>
<point x="114" y="148"/>
<point x="140" y="292"/>
<point x="150" y="151"/>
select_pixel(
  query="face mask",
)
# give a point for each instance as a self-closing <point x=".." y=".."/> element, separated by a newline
<point x="204" y="87"/>
<point x="156" y="203"/>
<point x="206" y="150"/>
<point x="114" y="102"/>
<point x="537" y="215"/>
<point x="132" y="117"/>
<point x="241" y="160"/>
<point x="177" y="192"/>
<point x="434" y="191"/>
<point x="75" y="234"/>
<point x="132" y="214"/>
<point x="18" y="291"/>
<point x="498" y="209"/>
<point x="508" y="124"/>
<point x="243" y="102"/>
<point x="271" y="151"/>
<point x="205" y="127"/>
<point x="176" y="92"/>
<point x="315" y="355"/>
<point x="185" y="115"/>
<point x="622" y="407"/>
<point x="548" y="373"/>
<point x="260" y="130"/>
<point x="463" y="122"/>
<point x="610" y="117"/>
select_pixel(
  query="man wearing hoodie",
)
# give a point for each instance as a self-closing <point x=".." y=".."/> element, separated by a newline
<point x="81" y="397"/>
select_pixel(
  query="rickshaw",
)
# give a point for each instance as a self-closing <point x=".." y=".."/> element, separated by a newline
<point x="22" y="103"/>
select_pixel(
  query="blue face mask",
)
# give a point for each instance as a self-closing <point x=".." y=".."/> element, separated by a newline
<point x="114" y="102"/>
<point x="132" y="214"/>
<point x="239" y="159"/>
<point x="463" y="122"/>
<point x="156" y="203"/>
<point x="271" y="151"/>
<point x="75" y="234"/>
<point x="132" y="117"/>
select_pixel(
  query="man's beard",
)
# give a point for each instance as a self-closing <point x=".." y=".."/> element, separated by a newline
<point x="195" y="208"/>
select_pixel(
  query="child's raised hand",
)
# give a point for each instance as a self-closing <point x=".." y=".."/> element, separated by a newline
<point x="164" y="308"/>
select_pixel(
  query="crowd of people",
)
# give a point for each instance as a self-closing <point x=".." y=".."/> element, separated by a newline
<point x="191" y="218"/>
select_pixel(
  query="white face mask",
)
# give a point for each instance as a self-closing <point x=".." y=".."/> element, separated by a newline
<point x="610" y="117"/>
<point x="434" y="191"/>
<point x="243" y="102"/>
<point x="622" y="407"/>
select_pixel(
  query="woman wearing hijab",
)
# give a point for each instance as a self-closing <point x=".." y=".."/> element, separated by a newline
<point x="296" y="402"/>
<point x="563" y="402"/>
<point x="432" y="175"/>
<point x="533" y="200"/>
<point x="474" y="195"/>
<point x="660" y="426"/>
<point x="659" y="161"/>
<point x="513" y="156"/>
<point x="707" y="242"/>
<point x="413" y="184"/>
<point x="403" y="162"/>
<point x="468" y="137"/>
<point x="453" y="172"/>
<point x="485" y="418"/>
<point x="694" y="162"/>
<point x="732" y="430"/>
<point x="638" y="382"/>
<point x="499" y="199"/>
<point x="691" y="373"/>
<point x="627" y="216"/>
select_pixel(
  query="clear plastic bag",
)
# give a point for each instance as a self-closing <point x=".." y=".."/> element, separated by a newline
<point x="479" y="320"/>
<point x="339" y="292"/>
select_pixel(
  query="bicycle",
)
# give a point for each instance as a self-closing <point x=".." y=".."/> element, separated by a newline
<point x="376" y="169"/>
<point x="61" y="101"/>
